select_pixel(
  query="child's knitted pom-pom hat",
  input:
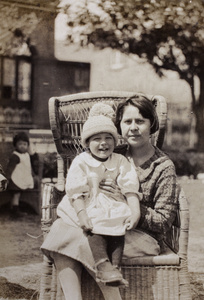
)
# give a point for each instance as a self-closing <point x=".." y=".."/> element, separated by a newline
<point x="100" y="120"/>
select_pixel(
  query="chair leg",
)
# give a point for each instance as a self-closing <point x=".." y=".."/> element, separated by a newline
<point x="46" y="279"/>
<point x="184" y="284"/>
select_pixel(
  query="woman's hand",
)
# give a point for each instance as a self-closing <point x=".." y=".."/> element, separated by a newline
<point x="110" y="187"/>
<point x="132" y="221"/>
<point x="84" y="220"/>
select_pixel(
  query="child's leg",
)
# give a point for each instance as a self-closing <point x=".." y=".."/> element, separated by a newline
<point x="14" y="205"/>
<point x="15" y="199"/>
<point x="98" y="245"/>
<point x="105" y="272"/>
<point x="115" y="249"/>
<point x="69" y="273"/>
<point x="115" y="253"/>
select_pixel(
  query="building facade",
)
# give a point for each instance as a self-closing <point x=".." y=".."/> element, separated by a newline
<point x="31" y="74"/>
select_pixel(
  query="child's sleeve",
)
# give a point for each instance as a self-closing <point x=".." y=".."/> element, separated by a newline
<point x="77" y="181"/>
<point x="13" y="161"/>
<point x="127" y="179"/>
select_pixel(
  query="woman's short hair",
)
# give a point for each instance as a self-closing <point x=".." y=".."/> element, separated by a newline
<point x="145" y="107"/>
<point x="21" y="136"/>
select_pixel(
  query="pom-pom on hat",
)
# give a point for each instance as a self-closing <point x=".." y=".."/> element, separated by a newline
<point x="100" y="120"/>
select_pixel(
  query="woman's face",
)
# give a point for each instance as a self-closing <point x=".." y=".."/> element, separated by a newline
<point x="135" y="129"/>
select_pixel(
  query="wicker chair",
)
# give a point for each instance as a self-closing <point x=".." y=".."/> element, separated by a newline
<point x="163" y="277"/>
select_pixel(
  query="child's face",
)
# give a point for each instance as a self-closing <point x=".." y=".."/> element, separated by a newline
<point x="102" y="145"/>
<point x="22" y="146"/>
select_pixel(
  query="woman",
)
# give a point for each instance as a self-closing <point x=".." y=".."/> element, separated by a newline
<point x="136" y="120"/>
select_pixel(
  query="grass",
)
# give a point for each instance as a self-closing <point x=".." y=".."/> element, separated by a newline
<point x="194" y="190"/>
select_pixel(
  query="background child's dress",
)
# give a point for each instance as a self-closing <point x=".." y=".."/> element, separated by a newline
<point x="20" y="172"/>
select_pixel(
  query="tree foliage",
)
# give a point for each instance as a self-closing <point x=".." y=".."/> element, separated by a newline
<point x="15" y="29"/>
<point x="168" y="34"/>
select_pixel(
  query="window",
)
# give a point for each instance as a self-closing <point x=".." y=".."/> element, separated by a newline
<point x="117" y="60"/>
<point x="9" y="72"/>
<point x="81" y="77"/>
<point x="15" y="90"/>
<point x="24" y="81"/>
<point x="15" y="84"/>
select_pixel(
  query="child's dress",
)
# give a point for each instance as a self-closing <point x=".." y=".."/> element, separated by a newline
<point x="106" y="213"/>
<point x="20" y="172"/>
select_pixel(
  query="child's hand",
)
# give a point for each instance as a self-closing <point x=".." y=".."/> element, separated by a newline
<point x="132" y="221"/>
<point x="32" y="148"/>
<point x="84" y="220"/>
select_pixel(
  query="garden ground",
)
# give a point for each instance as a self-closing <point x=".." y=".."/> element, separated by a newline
<point x="20" y="256"/>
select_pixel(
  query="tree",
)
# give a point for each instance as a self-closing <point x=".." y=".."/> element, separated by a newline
<point x="168" y="34"/>
<point x="15" y="29"/>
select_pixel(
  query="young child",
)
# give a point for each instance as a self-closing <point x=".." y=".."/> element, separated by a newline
<point x="19" y="171"/>
<point x="3" y="180"/>
<point x="104" y="219"/>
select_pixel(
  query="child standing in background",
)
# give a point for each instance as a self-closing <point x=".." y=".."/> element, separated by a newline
<point x="19" y="171"/>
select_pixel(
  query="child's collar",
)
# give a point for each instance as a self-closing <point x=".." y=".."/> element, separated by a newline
<point x="98" y="158"/>
<point x="110" y="163"/>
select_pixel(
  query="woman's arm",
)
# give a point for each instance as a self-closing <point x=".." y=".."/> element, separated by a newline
<point x="159" y="217"/>
<point x="134" y="204"/>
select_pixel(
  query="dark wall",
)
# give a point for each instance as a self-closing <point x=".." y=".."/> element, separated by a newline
<point x="55" y="78"/>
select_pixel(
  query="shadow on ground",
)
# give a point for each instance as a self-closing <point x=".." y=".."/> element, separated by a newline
<point x="13" y="290"/>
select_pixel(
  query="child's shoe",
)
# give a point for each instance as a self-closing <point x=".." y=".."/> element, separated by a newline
<point x="107" y="273"/>
<point x="122" y="283"/>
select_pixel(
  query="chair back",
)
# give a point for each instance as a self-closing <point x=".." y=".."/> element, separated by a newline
<point x="68" y="113"/>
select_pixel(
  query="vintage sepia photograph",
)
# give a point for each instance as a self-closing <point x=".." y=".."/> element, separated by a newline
<point x="101" y="150"/>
